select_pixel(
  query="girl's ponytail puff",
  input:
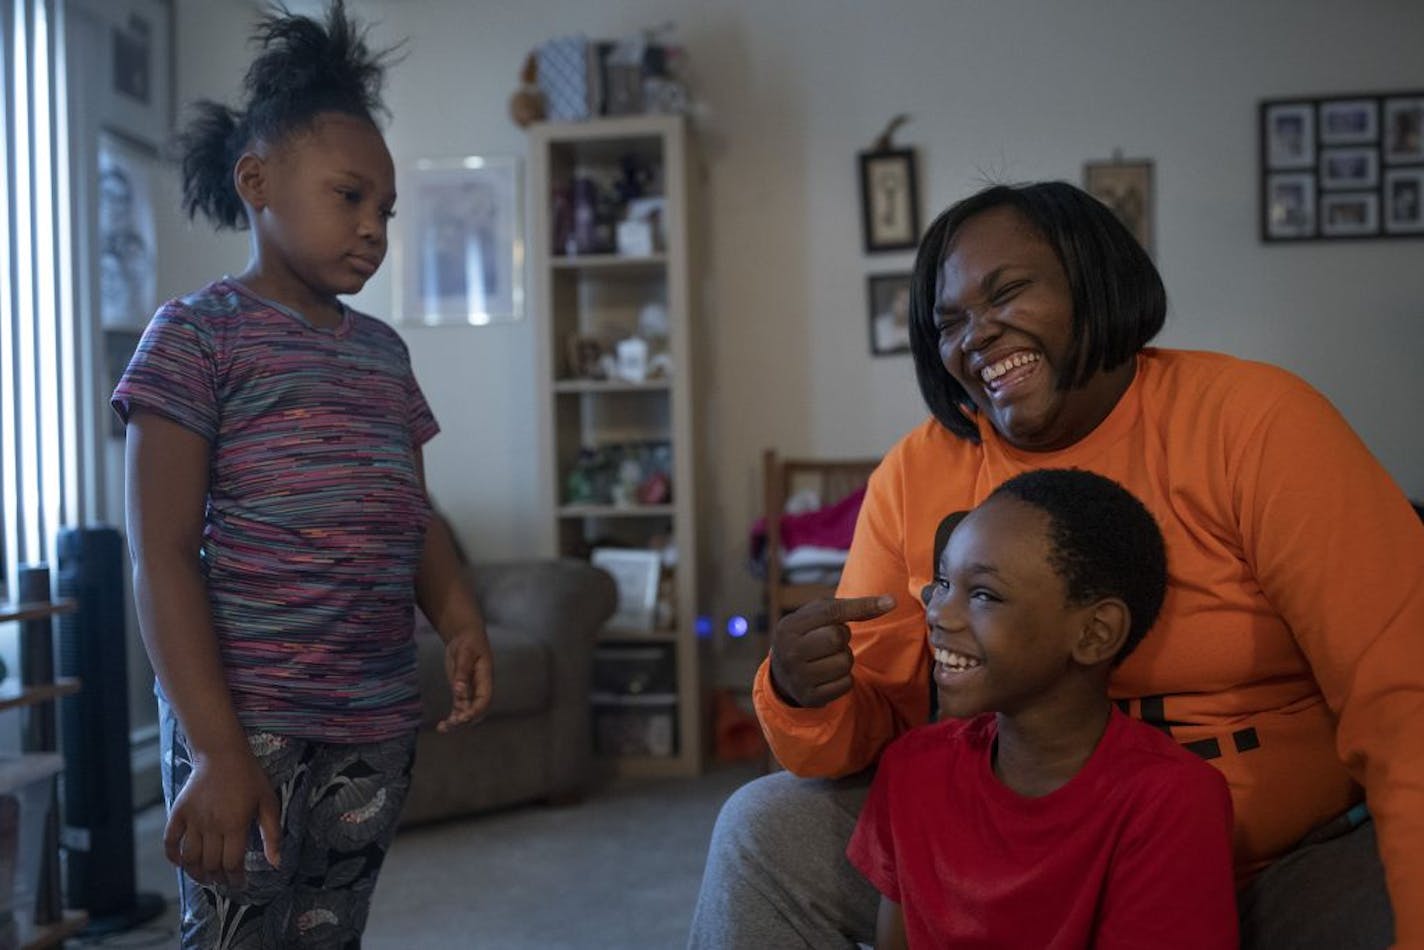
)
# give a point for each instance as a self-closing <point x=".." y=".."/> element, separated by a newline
<point x="210" y="145"/>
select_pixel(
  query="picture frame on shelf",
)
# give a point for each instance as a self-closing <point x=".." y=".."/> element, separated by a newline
<point x="135" y="70"/>
<point x="1341" y="167"/>
<point x="635" y="573"/>
<point x="459" y="246"/>
<point x="586" y="357"/>
<point x="1125" y="186"/>
<point x="888" y="302"/>
<point x="889" y="200"/>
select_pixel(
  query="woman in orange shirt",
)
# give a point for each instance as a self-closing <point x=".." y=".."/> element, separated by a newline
<point x="1289" y="651"/>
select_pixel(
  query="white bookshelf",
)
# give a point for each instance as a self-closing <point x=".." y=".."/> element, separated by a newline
<point x="601" y="295"/>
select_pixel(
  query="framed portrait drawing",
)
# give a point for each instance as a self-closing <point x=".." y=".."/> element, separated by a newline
<point x="888" y="300"/>
<point x="1125" y="186"/>
<point x="459" y="246"/>
<point x="889" y="200"/>
<point x="1342" y="167"/>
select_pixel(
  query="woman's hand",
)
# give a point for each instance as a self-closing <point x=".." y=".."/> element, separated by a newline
<point x="469" y="667"/>
<point x="811" y="659"/>
<point x="211" y="819"/>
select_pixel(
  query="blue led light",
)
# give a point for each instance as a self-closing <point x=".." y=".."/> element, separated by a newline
<point x="736" y="626"/>
<point x="703" y="627"/>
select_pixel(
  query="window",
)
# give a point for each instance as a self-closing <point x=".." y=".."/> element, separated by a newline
<point x="38" y="356"/>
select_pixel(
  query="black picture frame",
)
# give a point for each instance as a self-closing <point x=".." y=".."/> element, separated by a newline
<point x="887" y="298"/>
<point x="1342" y="167"/>
<point x="889" y="200"/>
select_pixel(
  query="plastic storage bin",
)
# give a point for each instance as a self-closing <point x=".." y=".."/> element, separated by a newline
<point x="634" y="669"/>
<point x="635" y="725"/>
<point x="25" y="795"/>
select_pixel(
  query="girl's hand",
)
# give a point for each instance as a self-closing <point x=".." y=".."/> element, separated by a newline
<point x="468" y="665"/>
<point x="211" y="819"/>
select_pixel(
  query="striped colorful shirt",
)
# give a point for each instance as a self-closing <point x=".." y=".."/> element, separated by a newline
<point x="315" y="515"/>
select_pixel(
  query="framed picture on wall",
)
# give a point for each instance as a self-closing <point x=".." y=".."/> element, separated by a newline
<point x="888" y="296"/>
<point x="459" y="245"/>
<point x="1349" y="121"/>
<point x="1342" y="167"/>
<point x="1290" y="205"/>
<point x="135" y="69"/>
<point x="1404" y="201"/>
<point x="1289" y="131"/>
<point x="127" y="259"/>
<point x="1404" y="129"/>
<point x="1344" y="214"/>
<point x="889" y="200"/>
<point x="1125" y="186"/>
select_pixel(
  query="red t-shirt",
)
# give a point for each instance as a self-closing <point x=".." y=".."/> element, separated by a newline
<point x="1134" y="851"/>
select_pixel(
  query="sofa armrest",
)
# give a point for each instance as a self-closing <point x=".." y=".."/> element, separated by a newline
<point x="562" y="604"/>
<point x="555" y="600"/>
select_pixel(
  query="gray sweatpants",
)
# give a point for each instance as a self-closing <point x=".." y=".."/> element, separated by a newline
<point x="777" y="877"/>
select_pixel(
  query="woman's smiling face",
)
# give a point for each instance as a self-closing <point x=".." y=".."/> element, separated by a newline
<point x="1004" y="312"/>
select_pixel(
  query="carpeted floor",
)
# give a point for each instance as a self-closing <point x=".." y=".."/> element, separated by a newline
<point x="621" y="869"/>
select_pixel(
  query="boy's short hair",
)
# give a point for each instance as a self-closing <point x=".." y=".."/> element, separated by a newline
<point x="1104" y="542"/>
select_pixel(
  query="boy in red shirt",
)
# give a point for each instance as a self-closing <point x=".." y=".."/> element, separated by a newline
<point x="1040" y="815"/>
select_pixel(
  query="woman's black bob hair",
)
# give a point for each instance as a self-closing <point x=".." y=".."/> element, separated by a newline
<point x="1119" y="303"/>
<point x="306" y="68"/>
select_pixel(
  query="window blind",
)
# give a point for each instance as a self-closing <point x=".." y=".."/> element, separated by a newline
<point x="39" y="421"/>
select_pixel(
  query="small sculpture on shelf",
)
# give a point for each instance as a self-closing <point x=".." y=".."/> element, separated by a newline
<point x="526" y="106"/>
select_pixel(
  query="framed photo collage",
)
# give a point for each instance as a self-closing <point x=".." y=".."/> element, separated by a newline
<point x="1342" y="167"/>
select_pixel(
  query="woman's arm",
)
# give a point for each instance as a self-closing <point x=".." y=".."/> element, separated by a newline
<point x="449" y="604"/>
<point x="1339" y="552"/>
<point x="166" y="492"/>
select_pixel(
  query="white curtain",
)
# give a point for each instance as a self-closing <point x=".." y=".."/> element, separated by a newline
<point x="39" y="417"/>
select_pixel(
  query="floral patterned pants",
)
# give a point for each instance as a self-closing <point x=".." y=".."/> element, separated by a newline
<point x="339" y="806"/>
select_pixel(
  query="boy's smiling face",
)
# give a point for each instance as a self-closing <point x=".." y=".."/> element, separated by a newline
<point x="1000" y="625"/>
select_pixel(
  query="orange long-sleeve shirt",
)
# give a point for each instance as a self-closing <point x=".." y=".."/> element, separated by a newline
<point x="1290" y="648"/>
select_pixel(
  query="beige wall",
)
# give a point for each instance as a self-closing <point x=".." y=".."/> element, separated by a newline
<point x="788" y="91"/>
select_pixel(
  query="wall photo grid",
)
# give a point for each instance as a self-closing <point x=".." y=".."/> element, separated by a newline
<point x="1342" y="167"/>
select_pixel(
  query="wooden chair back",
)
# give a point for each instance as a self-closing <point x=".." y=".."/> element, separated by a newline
<point x="833" y="480"/>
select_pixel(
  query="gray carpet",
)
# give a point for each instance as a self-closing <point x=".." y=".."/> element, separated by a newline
<point x="621" y="869"/>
